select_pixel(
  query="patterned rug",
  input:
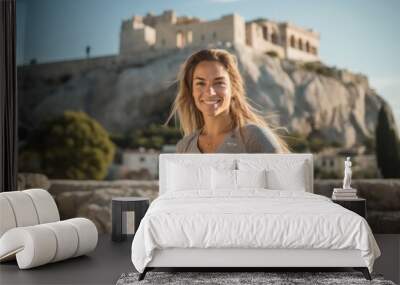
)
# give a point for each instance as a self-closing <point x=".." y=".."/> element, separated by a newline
<point x="269" y="278"/>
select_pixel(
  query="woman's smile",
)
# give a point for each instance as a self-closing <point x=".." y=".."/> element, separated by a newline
<point x="211" y="101"/>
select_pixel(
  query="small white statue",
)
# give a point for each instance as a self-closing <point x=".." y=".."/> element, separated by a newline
<point x="347" y="174"/>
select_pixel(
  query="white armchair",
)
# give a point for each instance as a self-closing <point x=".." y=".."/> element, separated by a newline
<point x="31" y="230"/>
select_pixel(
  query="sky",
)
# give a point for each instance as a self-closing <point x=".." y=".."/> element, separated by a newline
<point x="359" y="35"/>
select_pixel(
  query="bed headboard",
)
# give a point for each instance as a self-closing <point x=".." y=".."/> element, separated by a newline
<point x="287" y="163"/>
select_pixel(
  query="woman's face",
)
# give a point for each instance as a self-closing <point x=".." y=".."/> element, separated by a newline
<point x="211" y="88"/>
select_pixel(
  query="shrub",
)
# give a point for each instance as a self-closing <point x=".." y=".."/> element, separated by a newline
<point x="323" y="174"/>
<point x="319" y="68"/>
<point x="297" y="143"/>
<point x="153" y="136"/>
<point x="73" y="146"/>
<point x="272" y="53"/>
<point x="316" y="145"/>
<point x="369" y="144"/>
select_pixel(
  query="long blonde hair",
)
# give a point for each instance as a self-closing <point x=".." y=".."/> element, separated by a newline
<point x="242" y="113"/>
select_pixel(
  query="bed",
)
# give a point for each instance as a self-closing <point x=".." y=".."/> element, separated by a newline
<point x="247" y="210"/>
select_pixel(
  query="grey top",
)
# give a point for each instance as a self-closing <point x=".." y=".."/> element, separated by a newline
<point x="255" y="140"/>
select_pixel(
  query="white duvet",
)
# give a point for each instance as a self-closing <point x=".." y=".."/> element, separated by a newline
<point x="250" y="219"/>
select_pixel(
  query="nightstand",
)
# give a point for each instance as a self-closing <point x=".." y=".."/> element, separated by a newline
<point x="358" y="206"/>
<point x="126" y="214"/>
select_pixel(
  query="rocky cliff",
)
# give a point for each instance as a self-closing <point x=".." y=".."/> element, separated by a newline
<point x="123" y="94"/>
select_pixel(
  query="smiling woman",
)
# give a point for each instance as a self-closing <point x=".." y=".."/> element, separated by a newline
<point x="214" y="113"/>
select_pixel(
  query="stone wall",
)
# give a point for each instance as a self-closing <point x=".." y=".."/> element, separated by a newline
<point x="92" y="199"/>
<point x="230" y="28"/>
<point x="56" y="69"/>
<point x="265" y="35"/>
<point x="136" y="40"/>
<point x="255" y="39"/>
<point x="137" y="36"/>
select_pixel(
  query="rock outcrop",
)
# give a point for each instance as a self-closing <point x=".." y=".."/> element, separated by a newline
<point x="125" y="94"/>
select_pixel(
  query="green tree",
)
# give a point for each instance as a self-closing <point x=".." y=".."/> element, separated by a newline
<point x="152" y="136"/>
<point x="387" y="144"/>
<point x="369" y="144"/>
<point x="73" y="146"/>
<point x="157" y="142"/>
<point x="316" y="145"/>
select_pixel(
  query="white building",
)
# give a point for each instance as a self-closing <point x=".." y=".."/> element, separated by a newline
<point x="332" y="161"/>
<point x="141" y="159"/>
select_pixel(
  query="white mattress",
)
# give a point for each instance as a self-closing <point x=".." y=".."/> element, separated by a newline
<point x="250" y="219"/>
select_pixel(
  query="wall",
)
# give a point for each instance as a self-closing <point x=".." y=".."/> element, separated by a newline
<point x="255" y="39"/>
<point x="296" y="54"/>
<point x="288" y="30"/>
<point x="92" y="199"/>
<point x="265" y="35"/>
<point x="60" y="68"/>
<point x="163" y="33"/>
<point x="54" y="70"/>
<point x="230" y="28"/>
<point x="134" y="40"/>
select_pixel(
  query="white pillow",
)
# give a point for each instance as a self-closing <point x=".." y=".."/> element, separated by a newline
<point x="282" y="174"/>
<point x="223" y="179"/>
<point x="251" y="178"/>
<point x="182" y="177"/>
<point x="295" y="181"/>
<point x="229" y="179"/>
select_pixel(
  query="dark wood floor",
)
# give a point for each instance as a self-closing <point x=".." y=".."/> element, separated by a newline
<point x="110" y="260"/>
<point x="102" y="266"/>
<point x="389" y="262"/>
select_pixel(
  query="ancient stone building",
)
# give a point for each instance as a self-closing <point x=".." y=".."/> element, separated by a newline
<point x="167" y="32"/>
<point x="284" y="39"/>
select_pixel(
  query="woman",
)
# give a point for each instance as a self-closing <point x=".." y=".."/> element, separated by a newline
<point x="213" y="110"/>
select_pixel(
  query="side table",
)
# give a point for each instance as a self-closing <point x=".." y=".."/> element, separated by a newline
<point x="127" y="212"/>
<point x="358" y="206"/>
